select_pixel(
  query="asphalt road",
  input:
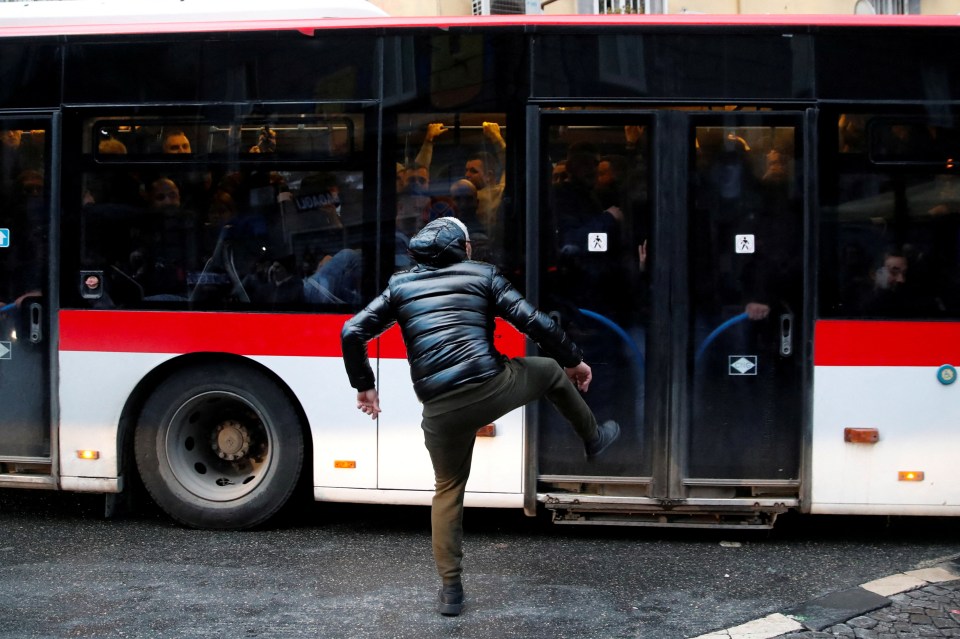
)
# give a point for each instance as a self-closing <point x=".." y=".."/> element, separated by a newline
<point x="359" y="571"/>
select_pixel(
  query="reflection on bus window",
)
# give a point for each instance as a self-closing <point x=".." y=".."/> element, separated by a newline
<point x="453" y="164"/>
<point x="912" y="141"/>
<point x="23" y="210"/>
<point x="200" y="215"/>
<point x="891" y="231"/>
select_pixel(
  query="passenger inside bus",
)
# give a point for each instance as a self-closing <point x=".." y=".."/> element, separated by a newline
<point x="896" y="199"/>
<point x="769" y="272"/>
<point x="466" y="203"/>
<point x="594" y="233"/>
<point x="483" y="168"/>
<point x="411" y="211"/>
<point x="891" y="291"/>
<point x="175" y="141"/>
<point x="21" y="213"/>
<point x="559" y="173"/>
<point x="266" y="141"/>
<point x="204" y="231"/>
<point x="279" y="284"/>
<point x="746" y="233"/>
<point x="336" y="279"/>
<point x="579" y="219"/>
<point x="167" y="242"/>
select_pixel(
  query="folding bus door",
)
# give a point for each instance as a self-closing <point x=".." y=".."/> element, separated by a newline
<point x="25" y="302"/>
<point x="745" y="339"/>
<point x="594" y="241"/>
<point x="670" y="247"/>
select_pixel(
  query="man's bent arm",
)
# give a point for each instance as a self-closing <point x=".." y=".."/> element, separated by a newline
<point x="361" y="328"/>
<point x="514" y="308"/>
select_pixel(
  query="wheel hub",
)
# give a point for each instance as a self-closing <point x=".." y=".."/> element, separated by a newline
<point x="230" y="440"/>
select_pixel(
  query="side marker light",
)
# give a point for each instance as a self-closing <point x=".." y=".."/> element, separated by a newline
<point x="88" y="454"/>
<point x="344" y="463"/>
<point x="490" y="430"/>
<point x="910" y="475"/>
<point x="861" y="435"/>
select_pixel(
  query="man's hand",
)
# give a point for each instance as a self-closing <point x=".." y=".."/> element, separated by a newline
<point x="580" y="375"/>
<point x="492" y="131"/>
<point x="434" y="129"/>
<point x="368" y="401"/>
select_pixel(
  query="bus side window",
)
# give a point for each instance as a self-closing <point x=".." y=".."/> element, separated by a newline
<point x="179" y="214"/>
<point x="894" y="243"/>
<point x="453" y="164"/>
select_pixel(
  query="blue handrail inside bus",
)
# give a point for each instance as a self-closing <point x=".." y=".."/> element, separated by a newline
<point x="8" y="307"/>
<point x="616" y="328"/>
<point x="713" y="335"/>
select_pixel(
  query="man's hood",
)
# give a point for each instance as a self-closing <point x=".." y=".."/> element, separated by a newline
<point x="440" y="243"/>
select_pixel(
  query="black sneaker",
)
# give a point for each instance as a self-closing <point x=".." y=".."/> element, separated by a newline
<point x="607" y="433"/>
<point x="451" y="600"/>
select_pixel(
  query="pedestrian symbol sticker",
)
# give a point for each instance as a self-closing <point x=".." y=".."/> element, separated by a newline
<point x="597" y="242"/>
<point x="745" y="243"/>
<point x="4" y="238"/>
<point x="6" y="352"/>
<point x="743" y="365"/>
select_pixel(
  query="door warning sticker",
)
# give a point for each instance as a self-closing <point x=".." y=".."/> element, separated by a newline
<point x="597" y="242"/>
<point x="742" y="365"/>
<point x="745" y="243"/>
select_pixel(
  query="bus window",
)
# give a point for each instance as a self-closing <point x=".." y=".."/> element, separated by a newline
<point x="913" y="141"/>
<point x="25" y="336"/>
<point x="595" y="236"/>
<point x="891" y="228"/>
<point x="746" y="275"/>
<point x="262" y="213"/>
<point x="324" y="137"/>
<point x="23" y="204"/>
<point x="453" y="164"/>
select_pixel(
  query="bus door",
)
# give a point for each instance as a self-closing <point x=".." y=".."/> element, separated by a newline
<point x="745" y="335"/>
<point x="25" y="355"/>
<point x="594" y="241"/>
<point x="671" y="250"/>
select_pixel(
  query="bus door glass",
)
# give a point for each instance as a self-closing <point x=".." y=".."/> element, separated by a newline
<point x="24" y="300"/>
<point x="594" y="230"/>
<point x="745" y="280"/>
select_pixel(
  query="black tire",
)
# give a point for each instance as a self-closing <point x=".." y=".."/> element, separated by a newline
<point x="219" y="447"/>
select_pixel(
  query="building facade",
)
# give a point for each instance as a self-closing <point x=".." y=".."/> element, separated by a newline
<point x="486" y="7"/>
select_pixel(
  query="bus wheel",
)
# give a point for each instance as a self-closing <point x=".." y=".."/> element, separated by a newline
<point x="219" y="447"/>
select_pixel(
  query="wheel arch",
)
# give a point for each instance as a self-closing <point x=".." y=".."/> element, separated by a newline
<point x="130" y="415"/>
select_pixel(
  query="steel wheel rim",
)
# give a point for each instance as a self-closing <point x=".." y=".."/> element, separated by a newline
<point x="219" y="446"/>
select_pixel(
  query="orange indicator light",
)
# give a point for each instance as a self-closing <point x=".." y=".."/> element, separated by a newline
<point x="88" y="454"/>
<point x="490" y="430"/>
<point x="910" y="475"/>
<point x="861" y="435"/>
<point x="344" y="463"/>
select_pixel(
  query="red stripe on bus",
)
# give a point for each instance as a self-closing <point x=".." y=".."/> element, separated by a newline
<point x="861" y="343"/>
<point x="240" y="333"/>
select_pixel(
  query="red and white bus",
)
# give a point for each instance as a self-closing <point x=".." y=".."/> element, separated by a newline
<point x="751" y="225"/>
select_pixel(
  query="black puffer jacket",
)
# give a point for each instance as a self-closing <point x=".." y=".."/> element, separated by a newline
<point x="446" y="308"/>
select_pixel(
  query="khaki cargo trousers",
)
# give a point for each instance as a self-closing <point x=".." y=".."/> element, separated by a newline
<point x="450" y="423"/>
